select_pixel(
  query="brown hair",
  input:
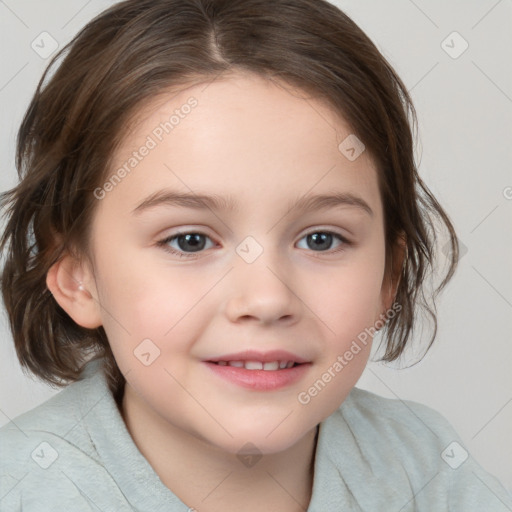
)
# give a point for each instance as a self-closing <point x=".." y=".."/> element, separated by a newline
<point x="139" y="48"/>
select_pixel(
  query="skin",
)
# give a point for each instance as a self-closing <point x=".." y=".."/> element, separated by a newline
<point x="264" y="145"/>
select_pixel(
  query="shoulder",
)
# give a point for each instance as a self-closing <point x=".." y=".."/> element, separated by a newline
<point x="49" y="421"/>
<point x="44" y="450"/>
<point x="30" y="445"/>
<point x="396" y="420"/>
<point x="391" y="431"/>
<point x="412" y="448"/>
<point x="57" y="417"/>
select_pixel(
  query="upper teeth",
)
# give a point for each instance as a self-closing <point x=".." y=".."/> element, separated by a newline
<point x="258" y="365"/>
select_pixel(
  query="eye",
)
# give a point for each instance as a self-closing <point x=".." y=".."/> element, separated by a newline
<point x="186" y="241"/>
<point x="193" y="242"/>
<point x="321" y="240"/>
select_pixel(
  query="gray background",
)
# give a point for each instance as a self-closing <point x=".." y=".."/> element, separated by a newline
<point x="464" y="153"/>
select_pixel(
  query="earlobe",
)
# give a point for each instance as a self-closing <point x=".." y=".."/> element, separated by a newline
<point x="72" y="286"/>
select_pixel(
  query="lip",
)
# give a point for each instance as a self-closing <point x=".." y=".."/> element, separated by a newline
<point x="264" y="357"/>
<point x="259" y="380"/>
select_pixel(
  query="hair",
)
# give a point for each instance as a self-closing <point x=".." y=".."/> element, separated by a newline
<point x="140" y="48"/>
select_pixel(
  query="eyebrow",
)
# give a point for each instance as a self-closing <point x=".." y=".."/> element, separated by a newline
<point x="215" y="202"/>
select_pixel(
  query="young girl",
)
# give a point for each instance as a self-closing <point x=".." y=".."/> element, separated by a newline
<point x="218" y="209"/>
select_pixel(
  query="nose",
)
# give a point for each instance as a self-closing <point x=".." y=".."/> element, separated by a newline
<point x="262" y="291"/>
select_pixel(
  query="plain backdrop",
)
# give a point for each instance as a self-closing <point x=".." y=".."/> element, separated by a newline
<point x="463" y="97"/>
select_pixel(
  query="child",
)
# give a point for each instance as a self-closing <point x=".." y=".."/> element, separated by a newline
<point x="221" y="376"/>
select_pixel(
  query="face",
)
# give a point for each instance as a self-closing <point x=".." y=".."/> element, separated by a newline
<point x="183" y="283"/>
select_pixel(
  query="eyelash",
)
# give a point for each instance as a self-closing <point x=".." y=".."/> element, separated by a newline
<point x="164" y="243"/>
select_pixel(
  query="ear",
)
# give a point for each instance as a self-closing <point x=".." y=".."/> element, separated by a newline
<point x="72" y="286"/>
<point x="393" y="273"/>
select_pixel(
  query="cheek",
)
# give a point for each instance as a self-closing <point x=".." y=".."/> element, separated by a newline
<point x="348" y="302"/>
<point x="348" y="299"/>
<point x="147" y="302"/>
<point x="348" y="312"/>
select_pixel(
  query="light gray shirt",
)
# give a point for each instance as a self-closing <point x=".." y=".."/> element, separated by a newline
<point x="73" y="453"/>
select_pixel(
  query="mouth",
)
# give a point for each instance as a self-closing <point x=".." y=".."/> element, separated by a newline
<point x="260" y="371"/>
<point x="255" y="360"/>
<point x="258" y="365"/>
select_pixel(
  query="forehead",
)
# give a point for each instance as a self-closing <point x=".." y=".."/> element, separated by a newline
<point x="243" y="136"/>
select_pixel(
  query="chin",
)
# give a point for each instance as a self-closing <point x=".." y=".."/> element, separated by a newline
<point x="251" y="440"/>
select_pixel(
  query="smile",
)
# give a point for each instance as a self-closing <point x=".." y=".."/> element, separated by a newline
<point x="258" y="365"/>
<point x="259" y="376"/>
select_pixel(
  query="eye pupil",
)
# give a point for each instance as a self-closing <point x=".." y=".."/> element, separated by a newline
<point x="321" y="238"/>
<point x="194" y="239"/>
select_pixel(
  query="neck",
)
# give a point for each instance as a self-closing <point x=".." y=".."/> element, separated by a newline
<point x="208" y="479"/>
